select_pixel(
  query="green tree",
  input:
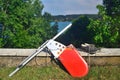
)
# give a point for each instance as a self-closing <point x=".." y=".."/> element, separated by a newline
<point x="78" y="32"/>
<point x="23" y="25"/>
<point x="104" y="30"/>
<point x="112" y="7"/>
<point x="47" y="16"/>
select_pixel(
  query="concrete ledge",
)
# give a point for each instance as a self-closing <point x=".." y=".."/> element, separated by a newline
<point x="20" y="52"/>
<point x="27" y="52"/>
<point x="103" y="52"/>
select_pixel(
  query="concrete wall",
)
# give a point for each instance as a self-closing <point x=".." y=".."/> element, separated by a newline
<point x="12" y="57"/>
<point x="15" y="61"/>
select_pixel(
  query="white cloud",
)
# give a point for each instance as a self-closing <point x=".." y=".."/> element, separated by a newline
<point x="71" y="6"/>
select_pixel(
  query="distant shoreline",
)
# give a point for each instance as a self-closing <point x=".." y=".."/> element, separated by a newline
<point x="72" y="17"/>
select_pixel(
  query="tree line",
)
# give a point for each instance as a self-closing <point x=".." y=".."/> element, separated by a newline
<point x="72" y="17"/>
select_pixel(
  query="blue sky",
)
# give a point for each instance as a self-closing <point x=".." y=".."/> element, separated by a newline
<point x="63" y="7"/>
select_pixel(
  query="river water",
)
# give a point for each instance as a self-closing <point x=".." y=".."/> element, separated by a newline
<point x="61" y="25"/>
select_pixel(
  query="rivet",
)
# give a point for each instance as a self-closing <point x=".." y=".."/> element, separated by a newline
<point x="58" y="53"/>
<point x="56" y="44"/>
<point x="59" y="45"/>
<point x="60" y="49"/>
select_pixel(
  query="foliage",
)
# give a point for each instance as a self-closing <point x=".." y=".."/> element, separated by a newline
<point x="78" y="32"/>
<point x="105" y="32"/>
<point x="47" y="16"/>
<point x="112" y="7"/>
<point x="23" y="24"/>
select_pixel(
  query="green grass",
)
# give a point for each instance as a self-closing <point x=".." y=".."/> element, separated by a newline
<point x="53" y="72"/>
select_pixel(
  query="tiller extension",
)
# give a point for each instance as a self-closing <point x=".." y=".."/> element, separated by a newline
<point x="67" y="55"/>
